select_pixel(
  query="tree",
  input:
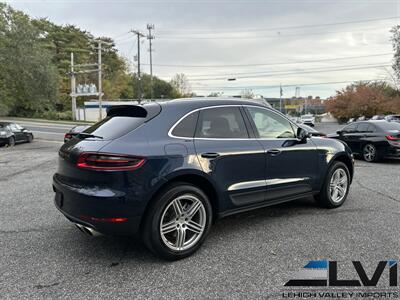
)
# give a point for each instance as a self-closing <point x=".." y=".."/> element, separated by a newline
<point x="364" y="99"/>
<point x="28" y="79"/>
<point x="247" y="93"/>
<point x="181" y="83"/>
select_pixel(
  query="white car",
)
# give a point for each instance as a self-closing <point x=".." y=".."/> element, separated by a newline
<point x="308" y="120"/>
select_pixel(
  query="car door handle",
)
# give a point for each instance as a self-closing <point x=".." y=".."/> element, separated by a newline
<point x="210" y="155"/>
<point x="274" y="152"/>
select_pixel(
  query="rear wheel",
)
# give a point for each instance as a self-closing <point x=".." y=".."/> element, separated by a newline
<point x="177" y="222"/>
<point x="30" y="138"/>
<point x="336" y="186"/>
<point x="11" y="141"/>
<point x="370" y="153"/>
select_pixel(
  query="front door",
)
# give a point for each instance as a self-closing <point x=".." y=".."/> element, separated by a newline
<point x="291" y="166"/>
<point x="226" y="152"/>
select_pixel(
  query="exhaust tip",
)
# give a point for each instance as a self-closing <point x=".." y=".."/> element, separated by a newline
<point x="87" y="230"/>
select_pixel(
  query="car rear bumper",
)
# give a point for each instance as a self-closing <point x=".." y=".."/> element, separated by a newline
<point x="392" y="151"/>
<point x="105" y="211"/>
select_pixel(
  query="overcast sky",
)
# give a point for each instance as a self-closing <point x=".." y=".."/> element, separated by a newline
<point x="261" y="44"/>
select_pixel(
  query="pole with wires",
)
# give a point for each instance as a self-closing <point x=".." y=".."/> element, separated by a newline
<point x="138" y="35"/>
<point x="150" y="37"/>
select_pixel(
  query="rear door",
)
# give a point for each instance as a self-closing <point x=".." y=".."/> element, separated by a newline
<point x="234" y="160"/>
<point x="291" y="166"/>
<point x="17" y="131"/>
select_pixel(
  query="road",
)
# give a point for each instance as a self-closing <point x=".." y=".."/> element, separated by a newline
<point x="46" y="131"/>
<point x="251" y="255"/>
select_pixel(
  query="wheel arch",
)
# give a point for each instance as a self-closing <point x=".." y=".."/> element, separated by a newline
<point x="344" y="158"/>
<point x="192" y="177"/>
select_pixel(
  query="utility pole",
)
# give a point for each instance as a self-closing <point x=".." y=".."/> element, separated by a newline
<point x="73" y="88"/>
<point x="100" y="84"/>
<point x="138" y="35"/>
<point x="280" y="98"/>
<point x="150" y="37"/>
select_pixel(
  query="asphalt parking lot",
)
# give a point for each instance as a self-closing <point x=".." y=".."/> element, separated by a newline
<point x="250" y="255"/>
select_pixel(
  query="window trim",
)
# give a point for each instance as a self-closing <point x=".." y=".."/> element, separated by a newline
<point x="294" y="126"/>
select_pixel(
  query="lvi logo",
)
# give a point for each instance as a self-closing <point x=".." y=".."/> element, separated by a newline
<point x="325" y="273"/>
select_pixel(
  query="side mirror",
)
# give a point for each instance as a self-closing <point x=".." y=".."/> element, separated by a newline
<point x="339" y="132"/>
<point x="302" y="135"/>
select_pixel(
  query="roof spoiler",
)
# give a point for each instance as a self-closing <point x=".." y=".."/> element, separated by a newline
<point x="127" y="111"/>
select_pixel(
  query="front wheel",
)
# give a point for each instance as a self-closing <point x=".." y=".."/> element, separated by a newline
<point x="177" y="222"/>
<point x="336" y="186"/>
<point x="30" y="138"/>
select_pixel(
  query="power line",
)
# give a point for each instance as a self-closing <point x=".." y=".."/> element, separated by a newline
<point x="271" y="64"/>
<point x="277" y="28"/>
<point x="258" y="87"/>
<point x="253" y="37"/>
<point x="295" y="73"/>
<point x="230" y="75"/>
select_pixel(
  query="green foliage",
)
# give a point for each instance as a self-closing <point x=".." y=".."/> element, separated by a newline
<point x="28" y="79"/>
<point x="35" y="59"/>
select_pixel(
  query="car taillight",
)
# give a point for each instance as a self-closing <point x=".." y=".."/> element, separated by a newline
<point x="68" y="136"/>
<point x="109" y="162"/>
<point x="392" y="138"/>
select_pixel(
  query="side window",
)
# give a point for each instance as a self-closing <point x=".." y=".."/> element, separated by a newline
<point x="270" y="124"/>
<point x="350" y="128"/>
<point x="362" y="127"/>
<point x="186" y="127"/>
<point x="13" y="128"/>
<point x="221" y="122"/>
<point x="371" y="128"/>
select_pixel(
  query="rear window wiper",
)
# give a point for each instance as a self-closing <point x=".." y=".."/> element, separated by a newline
<point x="89" y="135"/>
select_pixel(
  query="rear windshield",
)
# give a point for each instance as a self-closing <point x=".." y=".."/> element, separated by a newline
<point x="123" y="120"/>
<point x="390" y="126"/>
<point x="114" y="127"/>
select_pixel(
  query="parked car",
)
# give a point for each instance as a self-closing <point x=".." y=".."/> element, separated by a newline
<point x="393" y="118"/>
<point x="74" y="132"/>
<point x="312" y="131"/>
<point x="169" y="170"/>
<point x="351" y="120"/>
<point x="372" y="140"/>
<point x="12" y="133"/>
<point x="362" y="118"/>
<point x="308" y="120"/>
<point x="378" y="117"/>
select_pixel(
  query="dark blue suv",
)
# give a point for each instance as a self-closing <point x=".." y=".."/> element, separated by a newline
<point x="168" y="170"/>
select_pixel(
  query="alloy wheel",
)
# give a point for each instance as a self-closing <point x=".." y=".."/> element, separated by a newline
<point x="183" y="222"/>
<point x="369" y="152"/>
<point x="338" y="185"/>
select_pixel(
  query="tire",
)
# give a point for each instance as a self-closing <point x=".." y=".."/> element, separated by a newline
<point x="182" y="235"/>
<point x="328" y="199"/>
<point x="370" y="153"/>
<point x="11" y="141"/>
<point x="30" y="138"/>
